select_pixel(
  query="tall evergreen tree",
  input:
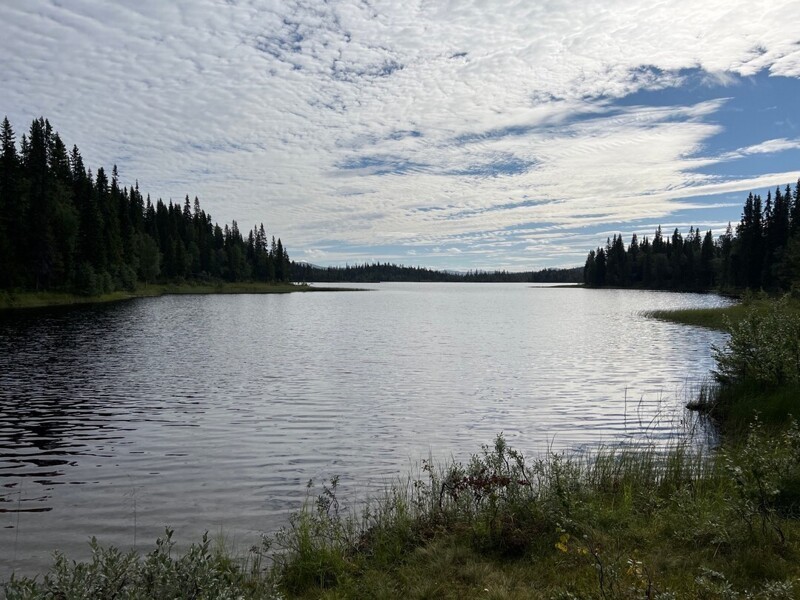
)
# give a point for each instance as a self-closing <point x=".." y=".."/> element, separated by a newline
<point x="11" y="208"/>
<point x="763" y="252"/>
<point x="706" y="276"/>
<point x="795" y="211"/>
<point x="63" y="228"/>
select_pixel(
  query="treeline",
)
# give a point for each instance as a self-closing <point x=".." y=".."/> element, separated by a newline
<point x="376" y="272"/>
<point x="762" y="253"/>
<point x="63" y="228"/>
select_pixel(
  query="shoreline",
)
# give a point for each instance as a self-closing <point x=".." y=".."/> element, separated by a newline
<point x="721" y="318"/>
<point x="520" y="528"/>
<point x="13" y="301"/>
<point x="23" y="300"/>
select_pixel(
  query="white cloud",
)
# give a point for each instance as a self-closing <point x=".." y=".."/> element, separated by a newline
<point x="411" y="124"/>
<point x="766" y="147"/>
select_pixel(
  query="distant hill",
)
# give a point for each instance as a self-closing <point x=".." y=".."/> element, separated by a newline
<point x="376" y="272"/>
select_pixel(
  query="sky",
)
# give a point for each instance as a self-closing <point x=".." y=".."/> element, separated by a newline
<point x="463" y="134"/>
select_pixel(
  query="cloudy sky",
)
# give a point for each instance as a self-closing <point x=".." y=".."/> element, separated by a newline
<point x="455" y="134"/>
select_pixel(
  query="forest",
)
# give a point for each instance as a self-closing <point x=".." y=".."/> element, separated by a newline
<point x="763" y="252"/>
<point x="376" y="272"/>
<point x="64" y="228"/>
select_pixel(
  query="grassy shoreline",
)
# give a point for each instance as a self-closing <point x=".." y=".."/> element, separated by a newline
<point x="24" y="300"/>
<point x="723" y="318"/>
<point x="712" y="318"/>
<point x="619" y="524"/>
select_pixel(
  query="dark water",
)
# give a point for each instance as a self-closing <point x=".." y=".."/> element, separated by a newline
<point x="213" y="412"/>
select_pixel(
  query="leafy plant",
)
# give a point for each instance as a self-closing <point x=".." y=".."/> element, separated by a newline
<point x="764" y="347"/>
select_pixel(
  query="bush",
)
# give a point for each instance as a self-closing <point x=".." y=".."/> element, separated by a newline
<point x="127" y="278"/>
<point x="106" y="282"/>
<point x="86" y="281"/>
<point x="199" y="573"/>
<point x="764" y="348"/>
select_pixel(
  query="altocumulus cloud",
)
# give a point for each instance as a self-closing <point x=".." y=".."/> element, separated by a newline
<point x="513" y="134"/>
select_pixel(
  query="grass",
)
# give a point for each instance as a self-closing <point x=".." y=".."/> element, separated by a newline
<point x="621" y="524"/>
<point x="27" y="299"/>
<point x="722" y="318"/>
<point x="617" y="524"/>
<point x="732" y="407"/>
<point x="713" y="318"/>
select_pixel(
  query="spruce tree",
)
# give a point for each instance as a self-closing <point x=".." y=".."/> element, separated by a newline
<point x="589" y="269"/>
<point x="11" y="207"/>
<point x="63" y="228"/>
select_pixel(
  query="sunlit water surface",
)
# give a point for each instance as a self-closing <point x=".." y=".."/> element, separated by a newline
<point x="213" y="412"/>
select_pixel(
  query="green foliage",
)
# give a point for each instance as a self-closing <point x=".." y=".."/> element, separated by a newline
<point x="86" y="282"/>
<point x="763" y="471"/>
<point x="763" y="348"/>
<point x="149" y="258"/>
<point x="61" y="229"/>
<point x="199" y="573"/>
<point x="615" y="523"/>
<point x="378" y="272"/>
<point x="317" y="540"/>
<point x="762" y="253"/>
<point x="127" y="279"/>
<point x="758" y="369"/>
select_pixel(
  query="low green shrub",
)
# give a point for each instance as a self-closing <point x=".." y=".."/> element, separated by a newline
<point x="764" y="348"/>
<point x="198" y="573"/>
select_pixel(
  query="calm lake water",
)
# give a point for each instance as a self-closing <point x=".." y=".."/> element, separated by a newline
<point x="213" y="412"/>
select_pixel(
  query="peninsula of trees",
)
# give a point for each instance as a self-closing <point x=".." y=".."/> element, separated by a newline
<point x="64" y="228"/>
<point x="762" y="253"/>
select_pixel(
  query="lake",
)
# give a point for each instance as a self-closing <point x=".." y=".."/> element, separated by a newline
<point x="213" y="412"/>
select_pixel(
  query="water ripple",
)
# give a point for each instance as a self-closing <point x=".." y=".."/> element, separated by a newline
<point x="213" y="412"/>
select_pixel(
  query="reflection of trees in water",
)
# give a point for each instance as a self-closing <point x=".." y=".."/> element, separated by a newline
<point x="53" y="402"/>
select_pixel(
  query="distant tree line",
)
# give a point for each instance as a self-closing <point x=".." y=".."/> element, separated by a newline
<point x="375" y="272"/>
<point x="762" y="253"/>
<point x="63" y="228"/>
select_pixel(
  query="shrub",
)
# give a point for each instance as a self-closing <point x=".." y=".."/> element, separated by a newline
<point x="764" y="348"/>
<point x="199" y="573"/>
<point x="86" y="281"/>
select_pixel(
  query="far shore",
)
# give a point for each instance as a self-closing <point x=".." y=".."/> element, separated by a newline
<point x="15" y="300"/>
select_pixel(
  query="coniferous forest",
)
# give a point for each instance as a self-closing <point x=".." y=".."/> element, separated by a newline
<point x="64" y="228"/>
<point x="763" y="252"/>
<point x="376" y="272"/>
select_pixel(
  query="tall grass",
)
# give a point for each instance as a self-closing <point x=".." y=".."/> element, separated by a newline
<point x="614" y="523"/>
<point x="725" y="318"/>
<point x="651" y="522"/>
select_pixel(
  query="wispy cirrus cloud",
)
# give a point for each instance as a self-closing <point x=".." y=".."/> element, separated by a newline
<point x="361" y="128"/>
